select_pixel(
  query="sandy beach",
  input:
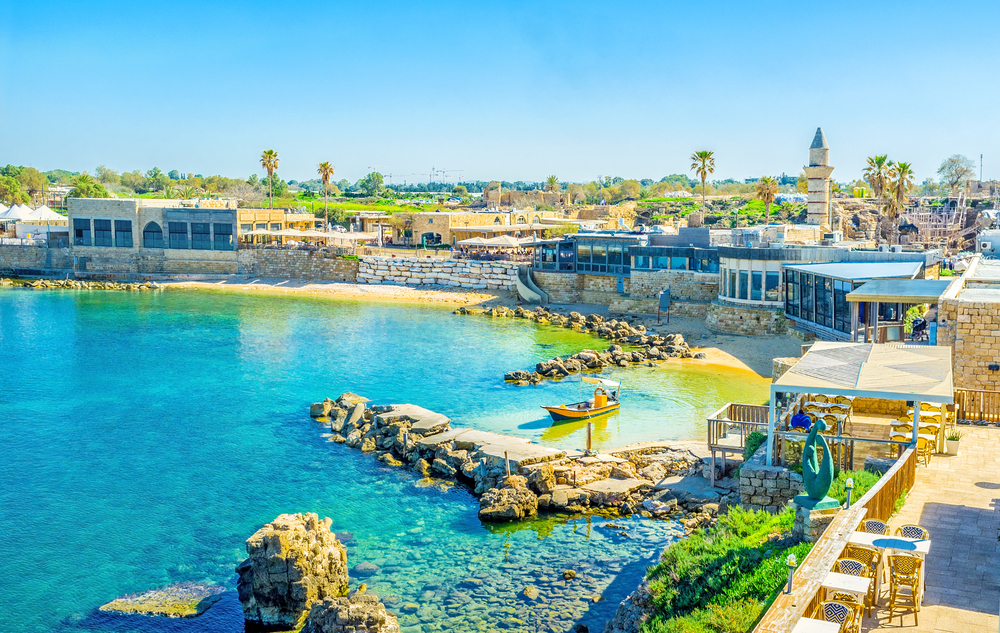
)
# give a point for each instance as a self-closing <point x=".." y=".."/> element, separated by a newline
<point x="743" y="352"/>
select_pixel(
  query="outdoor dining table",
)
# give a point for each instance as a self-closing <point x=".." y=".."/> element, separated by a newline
<point x="846" y="583"/>
<point x="914" y="546"/>
<point x="812" y="625"/>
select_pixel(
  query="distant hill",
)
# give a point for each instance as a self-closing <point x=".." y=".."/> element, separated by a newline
<point x="60" y="176"/>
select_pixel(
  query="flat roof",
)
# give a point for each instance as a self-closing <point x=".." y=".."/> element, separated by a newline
<point x="987" y="270"/>
<point x="860" y="270"/>
<point x="902" y="290"/>
<point x="894" y="371"/>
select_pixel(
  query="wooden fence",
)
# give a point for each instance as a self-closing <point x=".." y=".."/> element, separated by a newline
<point x="729" y="427"/>
<point x="974" y="405"/>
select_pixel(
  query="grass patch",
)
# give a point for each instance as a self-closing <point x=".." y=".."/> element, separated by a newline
<point x="720" y="580"/>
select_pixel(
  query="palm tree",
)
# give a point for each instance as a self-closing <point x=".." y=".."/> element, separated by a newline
<point x="269" y="161"/>
<point x="552" y="184"/>
<point x="703" y="164"/>
<point x="899" y="180"/>
<point x="168" y="191"/>
<point x="877" y="174"/>
<point x="767" y="187"/>
<point x="189" y="192"/>
<point x="325" y="170"/>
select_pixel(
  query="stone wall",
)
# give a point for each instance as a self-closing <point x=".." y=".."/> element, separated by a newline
<point x="879" y="406"/>
<point x="767" y="488"/>
<point x="731" y="319"/>
<point x="972" y="328"/>
<point x="279" y="263"/>
<point x="579" y="288"/>
<point x="688" y="309"/>
<point x="445" y="272"/>
<point x="34" y="258"/>
<point x="684" y="285"/>
<point x="92" y="260"/>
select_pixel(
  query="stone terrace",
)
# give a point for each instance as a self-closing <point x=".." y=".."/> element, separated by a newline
<point x="957" y="499"/>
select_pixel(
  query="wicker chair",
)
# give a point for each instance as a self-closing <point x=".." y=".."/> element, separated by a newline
<point x="853" y="567"/>
<point x="904" y="573"/>
<point x="925" y="448"/>
<point x="874" y="526"/>
<point x="838" y="612"/>
<point x="912" y="530"/>
<point x="869" y="556"/>
<point x="852" y="601"/>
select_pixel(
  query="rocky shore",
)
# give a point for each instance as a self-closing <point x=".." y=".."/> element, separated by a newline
<point x="46" y="284"/>
<point x="515" y="478"/>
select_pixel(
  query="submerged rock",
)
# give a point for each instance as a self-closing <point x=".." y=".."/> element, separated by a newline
<point x="181" y="600"/>
<point x="360" y="612"/>
<point x="294" y="561"/>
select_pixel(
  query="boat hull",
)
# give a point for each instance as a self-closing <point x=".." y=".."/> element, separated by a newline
<point x="562" y="414"/>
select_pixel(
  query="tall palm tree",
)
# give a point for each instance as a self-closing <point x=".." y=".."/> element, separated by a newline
<point x="325" y="170"/>
<point x="899" y="181"/>
<point x="703" y="164"/>
<point x="269" y="160"/>
<point x="877" y="174"/>
<point x="552" y="184"/>
<point x="767" y="187"/>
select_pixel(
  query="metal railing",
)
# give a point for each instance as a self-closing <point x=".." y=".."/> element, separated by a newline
<point x="976" y="405"/>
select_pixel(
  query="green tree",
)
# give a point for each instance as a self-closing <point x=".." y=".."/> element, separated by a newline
<point x="156" y="179"/>
<point x="33" y="181"/>
<point x="325" y="171"/>
<point x="766" y="189"/>
<point x="174" y="175"/>
<point x="629" y="189"/>
<point x="460" y="190"/>
<point x="135" y="181"/>
<point x="552" y="184"/>
<point x="107" y="176"/>
<point x="84" y="186"/>
<point x="899" y="181"/>
<point x="703" y="164"/>
<point x="269" y="161"/>
<point x="11" y="171"/>
<point x="876" y="174"/>
<point x="371" y="184"/>
<point x="11" y="192"/>
<point x="956" y="170"/>
<point x="188" y="192"/>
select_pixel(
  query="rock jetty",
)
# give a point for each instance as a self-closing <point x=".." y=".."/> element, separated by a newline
<point x="293" y="562"/>
<point x="181" y="600"/>
<point x="51" y="284"/>
<point x="516" y="478"/>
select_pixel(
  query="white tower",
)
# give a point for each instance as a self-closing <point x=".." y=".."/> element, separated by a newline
<point x="818" y="172"/>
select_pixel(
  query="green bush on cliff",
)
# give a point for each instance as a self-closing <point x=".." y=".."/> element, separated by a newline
<point x="720" y="580"/>
<point x="753" y="442"/>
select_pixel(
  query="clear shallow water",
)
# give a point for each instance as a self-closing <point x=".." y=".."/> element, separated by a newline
<point x="146" y="436"/>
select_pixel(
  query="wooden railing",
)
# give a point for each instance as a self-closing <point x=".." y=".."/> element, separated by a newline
<point x="974" y="405"/>
<point x="747" y="417"/>
<point x="877" y="503"/>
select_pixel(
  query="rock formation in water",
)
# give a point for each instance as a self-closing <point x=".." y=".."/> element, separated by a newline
<point x="294" y="562"/>
<point x="511" y="501"/>
<point x="356" y="614"/>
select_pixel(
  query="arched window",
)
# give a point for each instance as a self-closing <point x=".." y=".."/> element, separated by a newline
<point x="496" y="220"/>
<point x="522" y="220"/>
<point x="535" y="220"/>
<point x="152" y="236"/>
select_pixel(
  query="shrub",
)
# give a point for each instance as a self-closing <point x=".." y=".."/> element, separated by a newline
<point x="753" y="442"/>
<point x="864" y="480"/>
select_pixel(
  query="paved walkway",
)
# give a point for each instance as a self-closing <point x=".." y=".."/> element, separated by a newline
<point x="957" y="499"/>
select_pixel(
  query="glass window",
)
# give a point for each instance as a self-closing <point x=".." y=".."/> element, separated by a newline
<point x="641" y="261"/>
<point x="678" y="263"/>
<point x="615" y="255"/>
<point x="756" y="281"/>
<point x="841" y="306"/>
<point x="824" y="301"/>
<point x="792" y="292"/>
<point x="599" y="254"/>
<point x="178" y="234"/>
<point x="709" y="265"/>
<point x="152" y="236"/>
<point x="583" y="253"/>
<point x="772" y="287"/>
<point x="262" y="226"/>
<point x="275" y="226"/>
<point x="102" y="233"/>
<point x="808" y="297"/>
<point x="661" y="263"/>
<point x="223" y="237"/>
<point x="732" y="284"/>
<point x="246" y="228"/>
<point x="81" y="231"/>
<point x="201" y="236"/>
<point x="123" y="233"/>
<point x="694" y="264"/>
<point x="743" y="284"/>
<point x="566" y="256"/>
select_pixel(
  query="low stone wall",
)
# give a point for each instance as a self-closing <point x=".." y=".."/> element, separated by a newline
<point x="579" y="288"/>
<point x="767" y="488"/>
<point x="34" y="257"/>
<point x="730" y="319"/>
<point x="684" y="285"/>
<point x="446" y="272"/>
<point x="879" y="406"/>
<point x="628" y="305"/>
<point x="300" y="264"/>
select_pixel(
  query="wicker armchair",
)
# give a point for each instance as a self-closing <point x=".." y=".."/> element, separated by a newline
<point x="904" y="573"/>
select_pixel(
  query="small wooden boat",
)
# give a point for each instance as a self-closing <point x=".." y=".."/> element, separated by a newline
<point x="605" y="401"/>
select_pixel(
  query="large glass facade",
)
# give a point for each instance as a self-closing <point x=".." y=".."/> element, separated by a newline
<point x="756" y="285"/>
<point x="824" y="301"/>
<point x="841" y="306"/>
<point x="178" y="234"/>
<point x="123" y="233"/>
<point x="102" y="233"/>
<point x="81" y="231"/>
<point x="792" y="292"/>
<point x="808" y="298"/>
<point x="224" y="237"/>
<point x="772" y="286"/>
<point x="743" y="284"/>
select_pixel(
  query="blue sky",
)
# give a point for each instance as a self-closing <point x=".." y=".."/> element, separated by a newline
<point x="499" y="90"/>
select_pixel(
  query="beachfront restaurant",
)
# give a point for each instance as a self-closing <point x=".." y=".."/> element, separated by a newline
<point x="705" y="260"/>
<point x="816" y="298"/>
<point x="592" y="253"/>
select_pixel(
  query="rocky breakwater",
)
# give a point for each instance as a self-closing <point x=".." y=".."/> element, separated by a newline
<point x="50" y="284"/>
<point x="455" y="273"/>
<point x="516" y="478"/>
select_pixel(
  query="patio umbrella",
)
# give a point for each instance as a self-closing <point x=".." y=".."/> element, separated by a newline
<point x="472" y="241"/>
<point x="45" y="214"/>
<point x="503" y="241"/>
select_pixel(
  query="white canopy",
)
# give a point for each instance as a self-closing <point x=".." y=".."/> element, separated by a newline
<point x="472" y="241"/>
<point x="503" y="241"/>
<point x="45" y="214"/>
<point x="19" y="212"/>
<point x="613" y="384"/>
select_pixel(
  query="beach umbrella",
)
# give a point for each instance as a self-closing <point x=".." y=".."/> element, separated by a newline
<point x="503" y="241"/>
<point x="472" y="241"/>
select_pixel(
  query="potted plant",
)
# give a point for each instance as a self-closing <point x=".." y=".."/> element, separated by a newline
<point x="952" y="440"/>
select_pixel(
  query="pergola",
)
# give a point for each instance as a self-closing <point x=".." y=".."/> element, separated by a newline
<point x="894" y="371"/>
<point x="903" y="291"/>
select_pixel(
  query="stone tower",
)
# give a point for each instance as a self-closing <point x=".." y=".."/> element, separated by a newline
<point x="818" y="172"/>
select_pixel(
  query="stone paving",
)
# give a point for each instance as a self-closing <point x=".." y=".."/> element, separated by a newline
<point x="957" y="499"/>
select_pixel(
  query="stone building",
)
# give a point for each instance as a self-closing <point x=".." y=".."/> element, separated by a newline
<point x="969" y="321"/>
<point x="448" y="227"/>
<point x="818" y="172"/>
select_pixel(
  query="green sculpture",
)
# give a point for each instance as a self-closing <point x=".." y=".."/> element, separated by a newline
<point x="817" y="478"/>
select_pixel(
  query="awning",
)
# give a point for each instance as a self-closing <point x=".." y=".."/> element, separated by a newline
<point x="472" y="241"/>
<point x="503" y="241"/>
<point x="613" y="384"/>
<point x="850" y="271"/>
<point x="902" y="290"/>
<point x="893" y="371"/>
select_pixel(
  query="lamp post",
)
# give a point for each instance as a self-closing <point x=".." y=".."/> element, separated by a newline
<point x="791" y="562"/>
<point x="849" y="486"/>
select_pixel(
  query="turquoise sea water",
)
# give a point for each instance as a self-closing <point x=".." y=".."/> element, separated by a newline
<point x="144" y="437"/>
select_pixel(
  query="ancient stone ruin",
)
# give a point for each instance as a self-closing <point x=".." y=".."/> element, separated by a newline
<point x="294" y="562"/>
